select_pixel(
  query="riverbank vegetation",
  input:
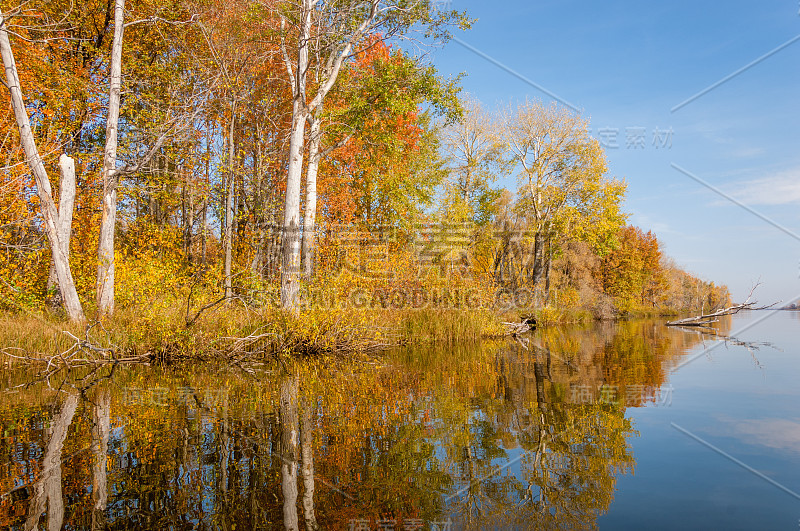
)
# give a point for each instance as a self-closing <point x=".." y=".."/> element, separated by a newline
<point x="286" y="176"/>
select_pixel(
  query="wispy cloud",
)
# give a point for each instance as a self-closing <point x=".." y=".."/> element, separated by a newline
<point x="777" y="433"/>
<point x="782" y="434"/>
<point x="780" y="189"/>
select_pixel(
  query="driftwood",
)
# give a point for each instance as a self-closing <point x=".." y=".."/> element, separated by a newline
<point x="708" y="319"/>
<point x="82" y="353"/>
<point x="515" y="329"/>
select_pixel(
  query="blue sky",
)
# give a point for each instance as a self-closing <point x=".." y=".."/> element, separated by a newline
<point x="627" y="66"/>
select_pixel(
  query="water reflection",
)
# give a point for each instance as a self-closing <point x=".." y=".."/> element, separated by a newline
<point x="525" y="435"/>
<point x="101" y="428"/>
<point x="46" y="493"/>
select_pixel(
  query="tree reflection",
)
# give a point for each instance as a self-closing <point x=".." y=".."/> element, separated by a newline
<point x="289" y="450"/>
<point x="556" y="463"/>
<point x="101" y="427"/>
<point x="307" y="456"/>
<point x="47" y="489"/>
<point x="490" y="435"/>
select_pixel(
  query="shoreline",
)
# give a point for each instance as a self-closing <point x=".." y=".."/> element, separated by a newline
<point x="240" y="333"/>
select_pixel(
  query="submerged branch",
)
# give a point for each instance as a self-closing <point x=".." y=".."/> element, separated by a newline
<point x="709" y="318"/>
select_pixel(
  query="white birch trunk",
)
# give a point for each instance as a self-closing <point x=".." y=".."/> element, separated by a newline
<point x="290" y="270"/>
<point x="309" y="219"/>
<point x="290" y="281"/>
<point x="66" y="285"/>
<point x="66" y="205"/>
<point x="105" y="251"/>
<point x="229" y="213"/>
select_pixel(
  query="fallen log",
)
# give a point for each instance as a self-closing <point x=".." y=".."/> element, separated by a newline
<point x="515" y="329"/>
<point x="709" y="318"/>
<point x="692" y="321"/>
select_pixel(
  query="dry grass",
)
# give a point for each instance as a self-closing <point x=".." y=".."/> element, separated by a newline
<point x="235" y="332"/>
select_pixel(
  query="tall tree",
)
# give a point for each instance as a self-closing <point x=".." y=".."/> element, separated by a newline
<point x="556" y="158"/>
<point x="66" y="284"/>
<point x="105" y="250"/>
<point x="332" y="30"/>
<point x="383" y="163"/>
<point x="475" y="159"/>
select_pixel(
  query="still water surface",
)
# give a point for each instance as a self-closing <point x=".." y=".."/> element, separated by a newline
<point x="626" y="425"/>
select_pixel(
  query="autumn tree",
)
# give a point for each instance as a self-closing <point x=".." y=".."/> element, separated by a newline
<point x="475" y="160"/>
<point x="329" y="32"/>
<point x="167" y="99"/>
<point x="50" y="215"/>
<point x="105" y="251"/>
<point x="556" y="159"/>
<point x="632" y="273"/>
<point x="385" y="165"/>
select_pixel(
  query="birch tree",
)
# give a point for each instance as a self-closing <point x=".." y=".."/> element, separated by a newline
<point x="475" y="155"/>
<point x="310" y="215"/>
<point x="555" y="157"/>
<point x="180" y="110"/>
<point x="66" y="205"/>
<point x="50" y="217"/>
<point x="335" y="28"/>
<point x="105" y="251"/>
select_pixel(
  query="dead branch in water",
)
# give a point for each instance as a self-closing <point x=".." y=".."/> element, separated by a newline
<point x="706" y="320"/>
<point x="516" y="329"/>
<point x="82" y="353"/>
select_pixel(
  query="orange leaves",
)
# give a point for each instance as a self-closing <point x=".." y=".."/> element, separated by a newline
<point x="632" y="273"/>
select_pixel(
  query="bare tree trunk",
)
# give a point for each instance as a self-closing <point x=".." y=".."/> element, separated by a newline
<point x="47" y="489"/>
<point x="190" y="222"/>
<point x="66" y="285"/>
<point x="289" y="450"/>
<point x="101" y="428"/>
<point x="538" y="258"/>
<point x="105" y="251"/>
<point x="290" y="289"/>
<point x="229" y="211"/>
<point x="66" y="205"/>
<point x="309" y="220"/>
<point x="547" y="266"/>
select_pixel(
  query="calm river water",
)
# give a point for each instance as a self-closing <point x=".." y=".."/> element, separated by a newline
<point x="629" y="425"/>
